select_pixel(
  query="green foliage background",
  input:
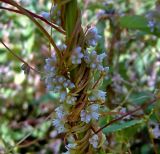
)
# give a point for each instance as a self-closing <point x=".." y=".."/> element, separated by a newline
<point x="26" y="108"/>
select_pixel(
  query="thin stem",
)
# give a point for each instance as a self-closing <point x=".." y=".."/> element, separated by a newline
<point x="129" y="113"/>
<point x="19" y="58"/>
<point x="28" y="144"/>
<point x="36" y="16"/>
<point x="97" y="82"/>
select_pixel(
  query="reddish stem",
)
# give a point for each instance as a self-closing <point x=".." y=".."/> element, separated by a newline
<point x="129" y="113"/>
<point x="36" y="16"/>
<point x="19" y="58"/>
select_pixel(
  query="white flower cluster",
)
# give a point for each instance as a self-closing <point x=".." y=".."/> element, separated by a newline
<point x="45" y="15"/>
<point x="95" y="61"/>
<point x="91" y="112"/>
<point x="92" y="59"/>
<point x="50" y="67"/>
<point x="153" y="21"/>
<point x="54" y="15"/>
<point x="151" y="25"/>
<point x="94" y="141"/>
<point x="61" y="84"/>
<point x="71" y="100"/>
<point x="55" y="82"/>
<point x="77" y="55"/>
<point x="92" y="36"/>
<point x="59" y="121"/>
<point x="156" y="131"/>
<point x="97" y="96"/>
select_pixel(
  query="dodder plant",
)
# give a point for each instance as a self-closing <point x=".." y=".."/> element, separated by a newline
<point x="71" y="74"/>
<point x="75" y="72"/>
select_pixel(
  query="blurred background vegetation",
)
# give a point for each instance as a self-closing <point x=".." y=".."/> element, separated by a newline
<point x="133" y="55"/>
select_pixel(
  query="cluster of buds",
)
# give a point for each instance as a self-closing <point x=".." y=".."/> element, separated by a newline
<point x="153" y="21"/>
<point x="80" y="98"/>
<point x="155" y="130"/>
<point x="53" y="15"/>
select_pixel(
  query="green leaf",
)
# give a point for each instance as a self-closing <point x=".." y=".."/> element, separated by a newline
<point x="137" y="22"/>
<point x="140" y="97"/>
<point x="121" y="126"/>
<point x="134" y="22"/>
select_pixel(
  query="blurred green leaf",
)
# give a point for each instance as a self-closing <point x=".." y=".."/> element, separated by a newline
<point x="140" y="97"/>
<point x="134" y="22"/>
<point x="118" y="127"/>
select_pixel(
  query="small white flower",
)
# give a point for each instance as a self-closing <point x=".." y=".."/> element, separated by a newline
<point x="71" y="146"/>
<point x="156" y="131"/>
<point x="71" y="100"/>
<point x="90" y="113"/>
<point x="101" y="57"/>
<point x="60" y="113"/>
<point x="94" y="60"/>
<point x="63" y="95"/>
<point x="59" y="125"/>
<point x="59" y="121"/>
<point x="101" y="95"/>
<point x="94" y="141"/>
<point x="151" y="25"/>
<point x="85" y="116"/>
<point x="45" y="15"/>
<point x="92" y="36"/>
<point x="97" y="95"/>
<point x="77" y="55"/>
<point x="49" y="87"/>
